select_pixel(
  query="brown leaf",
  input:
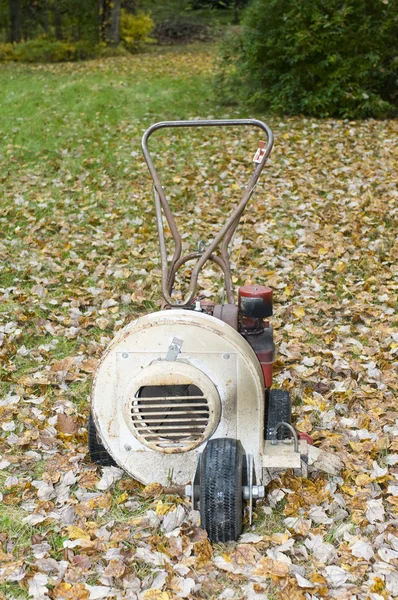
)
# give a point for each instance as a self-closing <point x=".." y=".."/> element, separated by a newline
<point x="82" y="561"/>
<point x="271" y="568"/>
<point x="88" y="480"/>
<point x="67" y="591"/>
<point x="245" y="554"/>
<point x="66" y="424"/>
<point x="64" y="364"/>
<point x="204" y="552"/>
<point x="128" y="485"/>
<point x="115" y="568"/>
<point x="83" y="509"/>
<point x="89" y="365"/>
<point x="103" y="501"/>
<point x="152" y="490"/>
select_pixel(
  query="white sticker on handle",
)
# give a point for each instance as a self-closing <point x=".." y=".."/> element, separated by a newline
<point x="258" y="157"/>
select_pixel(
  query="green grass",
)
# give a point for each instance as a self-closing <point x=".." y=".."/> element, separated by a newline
<point x="54" y="113"/>
<point x="13" y="591"/>
<point x="11" y="523"/>
<point x="267" y="524"/>
<point x="70" y="161"/>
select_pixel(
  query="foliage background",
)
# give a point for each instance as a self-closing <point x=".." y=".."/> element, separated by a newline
<point x="321" y="58"/>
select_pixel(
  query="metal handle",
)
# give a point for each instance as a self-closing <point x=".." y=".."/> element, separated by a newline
<point x="227" y="231"/>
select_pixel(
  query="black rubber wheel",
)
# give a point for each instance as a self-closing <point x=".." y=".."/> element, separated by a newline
<point x="278" y="408"/>
<point x="97" y="451"/>
<point x="221" y="494"/>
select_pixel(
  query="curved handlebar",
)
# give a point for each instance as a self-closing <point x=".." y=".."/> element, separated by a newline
<point x="207" y="123"/>
<point x="227" y="230"/>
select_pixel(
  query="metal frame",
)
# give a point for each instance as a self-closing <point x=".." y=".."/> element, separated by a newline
<point x="223" y="237"/>
<point x="274" y="439"/>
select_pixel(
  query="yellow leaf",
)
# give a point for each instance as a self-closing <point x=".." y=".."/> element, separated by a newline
<point x="356" y="446"/>
<point x="299" y="312"/>
<point x="357" y="516"/>
<point x="122" y="498"/>
<point x="152" y="490"/>
<point x="75" y="533"/>
<point x="305" y="425"/>
<point x="340" y="267"/>
<point x="226" y="557"/>
<point x="161" y="508"/>
<point x="393" y="500"/>
<point x="363" y="479"/>
<point x="378" y="585"/>
<point x="63" y="587"/>
<point x="311" y="401"/>
<point x="280" y="538"/>
<point x="155" y="594"/>
<point x="347" y="489"/>
<point x="204" y="553"/>
<point x="288" y="291"/>
<point x="66" y="591"/>
<point x="317" y="578"/>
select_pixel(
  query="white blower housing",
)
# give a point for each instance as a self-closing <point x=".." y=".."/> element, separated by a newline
<point x="169" y="382"/>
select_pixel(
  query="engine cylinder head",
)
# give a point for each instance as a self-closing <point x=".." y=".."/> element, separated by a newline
<point x="255" y="301"/>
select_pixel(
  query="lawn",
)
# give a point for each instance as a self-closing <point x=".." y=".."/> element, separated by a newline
<point x="79" y="260"/>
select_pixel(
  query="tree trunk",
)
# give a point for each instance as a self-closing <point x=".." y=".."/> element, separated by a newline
<point x="113" y="25"/>
<point x="15" y="20"/>
<point x="109" y="21"/>
<point x="57" y="20"/>
<point x="100" y="20"/>
<point x="44" y="19"/>
<point x="236" y="12"/>
<point x="130" y="6"/>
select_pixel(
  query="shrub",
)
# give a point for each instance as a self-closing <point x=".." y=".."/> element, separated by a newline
<point x="135" y="30"/>
<point x="6" y="52"/>
<point x="43" y="50"/>
<point x="319" y="57"/>
<point x="46" y="51"/>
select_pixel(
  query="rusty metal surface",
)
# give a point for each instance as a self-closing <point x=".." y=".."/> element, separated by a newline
<point x="223" y="238"/>
<point x="227" y="313"/>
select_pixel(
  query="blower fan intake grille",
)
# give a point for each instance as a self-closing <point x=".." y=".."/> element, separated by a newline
<point x="170" y="416"/>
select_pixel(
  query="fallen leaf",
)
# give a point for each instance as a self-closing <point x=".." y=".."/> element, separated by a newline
<point x="66" y="424"/>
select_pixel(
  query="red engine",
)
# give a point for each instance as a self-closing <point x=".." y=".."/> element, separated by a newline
<point x="255" y="306"/>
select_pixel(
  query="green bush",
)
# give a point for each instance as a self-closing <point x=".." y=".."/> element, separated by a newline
<point x="135" y="30"/>
<point x="43" y="50"/>
<point x="6" y="52"/>
<point x="315" y="57"/>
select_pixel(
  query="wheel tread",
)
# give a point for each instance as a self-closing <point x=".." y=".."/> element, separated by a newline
<point x="221" y="489"/>
<point x="279" y="409"/>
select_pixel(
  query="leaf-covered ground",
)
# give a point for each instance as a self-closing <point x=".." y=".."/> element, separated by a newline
<point x="79" y="260"/>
